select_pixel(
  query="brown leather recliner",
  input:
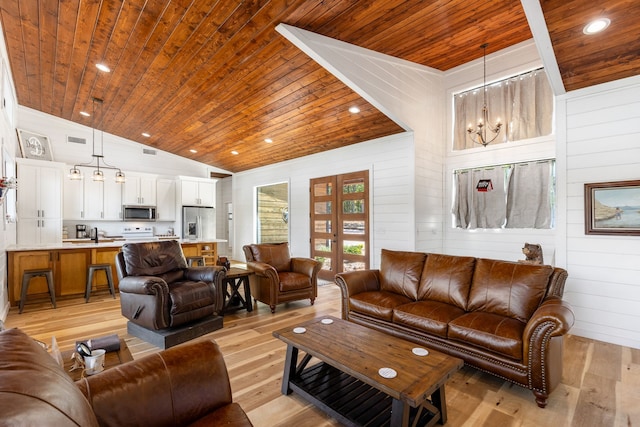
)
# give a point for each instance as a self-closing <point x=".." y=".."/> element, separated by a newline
<point x="279" y="277"/>
<point x="159" y="291"/>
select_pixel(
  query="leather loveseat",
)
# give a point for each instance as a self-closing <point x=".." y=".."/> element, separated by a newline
<point x="186" y="385"/>
<point x="505" y="318"/>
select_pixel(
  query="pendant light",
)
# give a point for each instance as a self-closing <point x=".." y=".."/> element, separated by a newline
<point x="479" y="134"/>
<point x="97" y="160"/>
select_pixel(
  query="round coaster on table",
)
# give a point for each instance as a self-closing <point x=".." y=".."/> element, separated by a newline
<point x="419" y="351"/>
<point x="387" y="373"/>
<point x="299" y="330"/>
<point x="327" y="321"/>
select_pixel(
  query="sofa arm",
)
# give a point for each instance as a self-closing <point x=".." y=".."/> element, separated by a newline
<point x="354" y="282"/>
<point x="174" y="387"/>
<point x="263" y="270"/>
<point x="554" y="317"/>
<point x="205" y="274"/>
<point x="307" y="266"/>
<point x="143" y="285"/>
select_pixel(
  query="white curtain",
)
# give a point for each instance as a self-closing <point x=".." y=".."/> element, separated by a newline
<point x="523" y="103"/>
<point x="529" y="195"/>
<point x="481" y="197"/>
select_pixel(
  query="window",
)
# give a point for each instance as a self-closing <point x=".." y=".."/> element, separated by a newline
<point x="523" y="103"/>
<point x="520" y="195"/>
<point x="273" y="213"/>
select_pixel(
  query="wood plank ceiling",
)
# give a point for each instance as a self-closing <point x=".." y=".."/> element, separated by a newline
<point x="215" y="76"/>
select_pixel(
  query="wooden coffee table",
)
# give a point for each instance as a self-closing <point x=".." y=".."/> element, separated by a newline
<point x="112" y="358"/>
<point x="347" y="384"/>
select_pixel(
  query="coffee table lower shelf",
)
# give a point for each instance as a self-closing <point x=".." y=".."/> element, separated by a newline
<point x="349" y="400"/>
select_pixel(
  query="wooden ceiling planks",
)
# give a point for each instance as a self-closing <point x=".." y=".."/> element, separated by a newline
<point x="216" y="76"/>
<point x="587" y="60"/>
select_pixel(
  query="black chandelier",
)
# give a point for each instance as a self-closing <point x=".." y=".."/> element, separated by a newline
<point x="97" y="159"/>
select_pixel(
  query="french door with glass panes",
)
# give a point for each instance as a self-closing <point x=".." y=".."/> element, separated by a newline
<point x="340" y="223"/>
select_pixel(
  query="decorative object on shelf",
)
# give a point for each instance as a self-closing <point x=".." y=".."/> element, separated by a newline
<point x="5" y="185"/>
<point x="612" y="208"/>
<point x="532" y="253"/>
<point x="97" y="175"/>
<point x="34" y="146"/>
<point x="479" y="134"/>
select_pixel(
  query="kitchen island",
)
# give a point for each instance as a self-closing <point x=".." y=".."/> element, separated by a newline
<point x="69" y="261"/>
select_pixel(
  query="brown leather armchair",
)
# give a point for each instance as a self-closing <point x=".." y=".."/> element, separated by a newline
<point x="158" y="290"/>
<point x="279" y="277"/>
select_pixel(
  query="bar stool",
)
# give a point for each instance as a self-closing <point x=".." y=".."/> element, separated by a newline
<point x="197" y="261"/>
<point x="107" y="271"/>
<point x="27" y="275"/>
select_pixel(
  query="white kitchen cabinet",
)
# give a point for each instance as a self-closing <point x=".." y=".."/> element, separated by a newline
<point x="166" y="200"/>
<point x="87" y="199"/>
<point x="73" y="198"/>
<point x="198" y="191"/>
<point x="39" y="202"/>
<point x="139" y="190"/>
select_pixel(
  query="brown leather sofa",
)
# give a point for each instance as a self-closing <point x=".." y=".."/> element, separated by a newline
<point x="505" y="318"/>
<point x="187" y="385"/>
<point x="158" y="290"/>
<point x="279" y="277"/>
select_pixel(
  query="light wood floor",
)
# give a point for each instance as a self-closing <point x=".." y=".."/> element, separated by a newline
<point x="601" y="384"/>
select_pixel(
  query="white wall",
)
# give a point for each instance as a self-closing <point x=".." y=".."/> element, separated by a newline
<point x="503" y="243"/>
<point x="602" y="127"/>
<point x="411" y="95"/>
<point x="8" y="149"/>
<point x="120" y="152"/>
<point x="387" y="160"/>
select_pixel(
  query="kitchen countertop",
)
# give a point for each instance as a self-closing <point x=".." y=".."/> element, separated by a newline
<point x="106" y="242"/>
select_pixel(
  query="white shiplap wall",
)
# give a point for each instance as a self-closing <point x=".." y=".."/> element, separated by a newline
<point x="602" y="127"/>
<point x="410" y="94"/>
<point x="387" y="161"/>
<point x="8" y="149"/>
<point x="499" y="244"/>
<point x="120" y="152"/>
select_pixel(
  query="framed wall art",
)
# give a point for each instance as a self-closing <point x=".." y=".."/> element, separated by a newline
<point x="34" y="146"/>
<point x="612" y="208"/>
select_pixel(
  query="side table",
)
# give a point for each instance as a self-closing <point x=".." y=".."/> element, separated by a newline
<point x="235" y="278"/>
<point x="112" y="358"/>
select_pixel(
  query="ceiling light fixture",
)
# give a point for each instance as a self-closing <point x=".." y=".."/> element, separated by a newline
<point x="596" y="26"/>
<point x="479" y="134"/>
<point x="97" y="175"/>
<point x="84" y="113"/>
<point x="103" y="67"/>
<point x="268" y="140"/>
<point x="354" y="110"/>
<point x="145" y="134"/>
<point x="193" y="151"/>
<point x="235" y="153"/>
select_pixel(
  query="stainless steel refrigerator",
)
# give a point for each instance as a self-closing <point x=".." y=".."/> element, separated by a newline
<point x="198" y="223"/>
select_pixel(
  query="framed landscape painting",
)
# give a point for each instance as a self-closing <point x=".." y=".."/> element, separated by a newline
<point x="612" y="208"/>
<point x="34" y="146"/>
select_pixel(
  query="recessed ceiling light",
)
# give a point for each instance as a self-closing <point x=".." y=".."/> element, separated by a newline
<point x="235" y="153"/>
<point x="146" y="135"/>
<point x="354" y="110"/>
<point x="596" y="26"/>
<point x="84" y="113"/>
<point x="268" y="140"/>
<point x="193" y="151"/>
<point x="103" y="67"/>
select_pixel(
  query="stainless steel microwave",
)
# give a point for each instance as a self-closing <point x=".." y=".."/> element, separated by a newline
<point x="138" y="213"/>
